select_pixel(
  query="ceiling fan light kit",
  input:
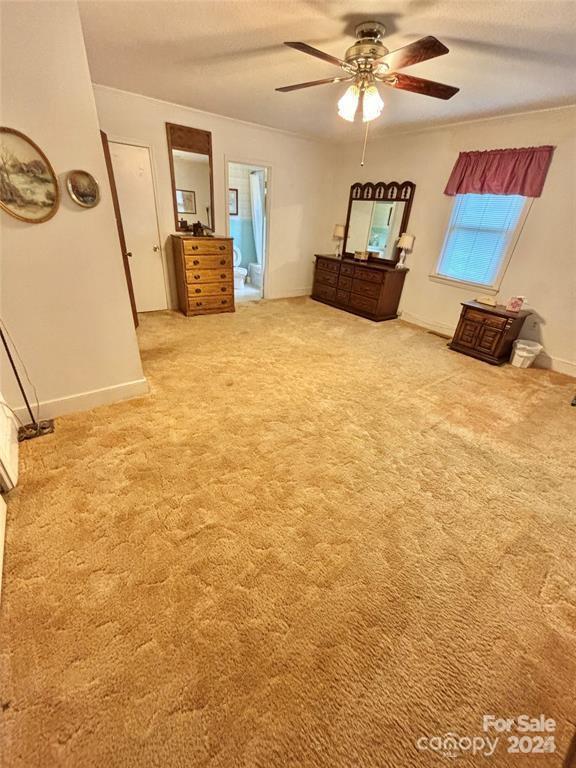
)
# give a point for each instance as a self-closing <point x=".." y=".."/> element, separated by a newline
<point x="367" y="62"/>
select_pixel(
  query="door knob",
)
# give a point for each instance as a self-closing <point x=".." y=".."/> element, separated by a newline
<point x="129" y="254"/>
<point x="156" y="248"/>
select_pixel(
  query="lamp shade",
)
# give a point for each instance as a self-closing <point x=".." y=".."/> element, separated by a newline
<point x="338" y="232"/>
<point x="406" y="242"/>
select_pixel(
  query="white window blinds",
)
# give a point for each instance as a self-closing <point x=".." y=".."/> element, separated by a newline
<point x="479" y="234"/>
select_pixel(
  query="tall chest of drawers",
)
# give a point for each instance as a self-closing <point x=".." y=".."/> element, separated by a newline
<point x="369" y="289"/>
<point x="204" y="274"/>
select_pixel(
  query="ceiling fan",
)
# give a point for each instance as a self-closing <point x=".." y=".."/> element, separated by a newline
<point x="369" y="62"/>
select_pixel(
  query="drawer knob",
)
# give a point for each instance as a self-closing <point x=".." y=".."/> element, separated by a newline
<point x="223" y="288"/>
<point x="222" y="247"/>
<point x="198" y="303"/>
<point x="198" y="290"/>
<point x="196" y="277"/>
<point x="224" y="301"/>
<point x="222" y="262"/>
<point x="194" y="247"/>
<point x="195" y="262"/>
<point x="223" y="277"/>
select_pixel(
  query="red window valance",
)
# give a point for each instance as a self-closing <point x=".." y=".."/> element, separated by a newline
<point x="501" y="172"/>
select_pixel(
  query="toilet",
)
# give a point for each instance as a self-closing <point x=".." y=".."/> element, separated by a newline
<point x="239" y="272"/>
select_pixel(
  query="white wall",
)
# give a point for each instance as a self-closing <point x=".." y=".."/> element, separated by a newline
<point x="300" y="180"/>
<point x="543" y="266"/>
<point x="64" y="295"/>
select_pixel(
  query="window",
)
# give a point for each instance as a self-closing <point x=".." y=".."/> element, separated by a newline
<point x="479" y="238"/>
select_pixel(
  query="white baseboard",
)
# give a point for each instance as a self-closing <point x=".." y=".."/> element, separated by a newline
<point x="2" y="537"/>
<point x="84" y="401"/>
<point x="292" y="294"/>
<point x="558" y="364"/>
<point x="445" y="328"/>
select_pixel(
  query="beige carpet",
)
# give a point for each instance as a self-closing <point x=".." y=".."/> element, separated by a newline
<point x="316" y="541"/>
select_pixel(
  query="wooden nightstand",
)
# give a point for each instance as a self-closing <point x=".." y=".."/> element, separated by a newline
<point x="487" y="332"/>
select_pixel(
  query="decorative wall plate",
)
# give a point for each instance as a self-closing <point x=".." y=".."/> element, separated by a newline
<point x="28" y="184"/>
<point x="83" y="188"/>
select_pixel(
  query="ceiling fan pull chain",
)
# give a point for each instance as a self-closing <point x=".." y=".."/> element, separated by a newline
<point x="364" y="147"/>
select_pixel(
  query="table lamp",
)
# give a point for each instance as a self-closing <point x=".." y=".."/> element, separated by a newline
<point x="339" y="236"/>
<point x="406" y="243"/>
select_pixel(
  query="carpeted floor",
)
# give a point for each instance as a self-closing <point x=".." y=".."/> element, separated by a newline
<point x="317" y="540"/>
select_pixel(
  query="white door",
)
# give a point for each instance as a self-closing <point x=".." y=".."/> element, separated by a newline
<point x="133" y="175"/>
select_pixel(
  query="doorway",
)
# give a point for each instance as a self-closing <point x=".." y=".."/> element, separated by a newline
<point x="248" y="226"/>
<point x="135" y="187"/>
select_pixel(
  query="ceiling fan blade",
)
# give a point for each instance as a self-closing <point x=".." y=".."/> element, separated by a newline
<point x="419" y="85"/>
<point x="286" y="88"/>
<point x="422" y="50"/>
<point x="319" y="54"/>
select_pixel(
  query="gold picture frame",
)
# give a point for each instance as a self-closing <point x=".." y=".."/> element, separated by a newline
<point x="28" y="185"/>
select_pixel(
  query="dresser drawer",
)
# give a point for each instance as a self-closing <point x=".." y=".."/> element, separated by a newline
<point x="496" y="322"/>
<point x="327" y="265"/>
<point x="326" y="278"/>
<point x="208" y="261"/>
<point x="210" y="303"/>
<point x="192" y="247"/>
<point x="324" y="292"/>
<point x="365" y="289"/>
<point x="347" y="269"/>
<point x="370" y="275"/>
<point x="345" y="283"/>
<point x="363" y="302"/>
<point x="210" y="289"/>
<point x="208" y="276"/>
<point x="342" y="297"/>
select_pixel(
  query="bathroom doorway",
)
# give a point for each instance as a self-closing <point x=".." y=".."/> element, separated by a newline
<point x="248" y="226"/>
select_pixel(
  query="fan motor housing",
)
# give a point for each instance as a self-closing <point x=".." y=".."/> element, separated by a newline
<point x="368" y="46"/>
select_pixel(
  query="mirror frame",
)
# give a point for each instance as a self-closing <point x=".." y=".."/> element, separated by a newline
<point x="381" y="192"/>
<point x="188" y="139"/>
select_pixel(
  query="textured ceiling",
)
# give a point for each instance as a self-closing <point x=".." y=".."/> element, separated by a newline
<point x="227" y="56"/>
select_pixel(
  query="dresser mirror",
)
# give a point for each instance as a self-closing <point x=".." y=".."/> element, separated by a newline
<point x="377" y="215"/>
<point x="190" y="155"/>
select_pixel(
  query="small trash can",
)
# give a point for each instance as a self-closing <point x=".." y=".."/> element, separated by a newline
<point x="525" y="352"/>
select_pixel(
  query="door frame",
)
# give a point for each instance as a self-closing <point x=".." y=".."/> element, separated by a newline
<point x="260" y="164"/>
<point x="118" y="217"/>
<point x="150" y="148"/>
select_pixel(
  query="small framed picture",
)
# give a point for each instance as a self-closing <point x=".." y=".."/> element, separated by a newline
<point x="83" y="188"/>
<point x="233" y="202"/>
<point x="186" y="201"/>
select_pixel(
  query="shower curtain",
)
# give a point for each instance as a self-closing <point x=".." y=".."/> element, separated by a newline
<point x="257" y="201"/>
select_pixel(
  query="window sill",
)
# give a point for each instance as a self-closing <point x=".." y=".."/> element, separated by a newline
<point x="486" y="289"/>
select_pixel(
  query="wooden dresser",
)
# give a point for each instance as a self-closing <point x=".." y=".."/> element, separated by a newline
<point x="487" y="332"/>
<point x="204" y="274"/>
<point x="369" y="289"/>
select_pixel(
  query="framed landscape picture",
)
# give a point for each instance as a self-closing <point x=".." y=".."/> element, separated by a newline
<point x="186" y="201"/>
<point x="233" y="202"/>
<point x="28" y="184"/>
<point x="83" y="188"/>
